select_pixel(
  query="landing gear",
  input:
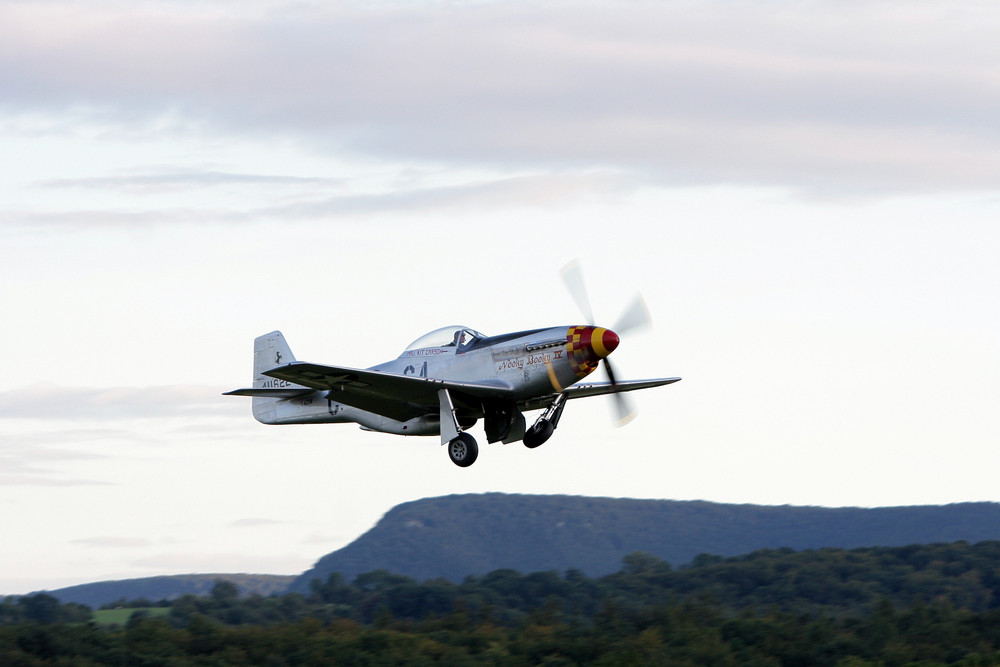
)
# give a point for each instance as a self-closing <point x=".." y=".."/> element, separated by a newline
<point x="503" y="422"/>
<point x="462" y="447"/>
<point x="539" y="432"/>
<point x="463" y="450"/>
<point x="542" y="429"/>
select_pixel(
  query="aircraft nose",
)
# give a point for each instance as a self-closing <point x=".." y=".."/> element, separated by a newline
<point x="604" y="341"/>
<point x="587" y="345"/>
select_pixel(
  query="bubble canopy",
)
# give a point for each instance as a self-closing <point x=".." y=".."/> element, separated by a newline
<point x="445" y="337"/>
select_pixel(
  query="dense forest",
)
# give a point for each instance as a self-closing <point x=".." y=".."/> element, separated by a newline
<point x="918" y="605"/>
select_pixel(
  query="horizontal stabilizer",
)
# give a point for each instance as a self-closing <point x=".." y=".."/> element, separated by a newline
<point x="269" y="393"/>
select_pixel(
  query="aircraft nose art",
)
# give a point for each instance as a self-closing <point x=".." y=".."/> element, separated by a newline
<point x="586" y="346"/>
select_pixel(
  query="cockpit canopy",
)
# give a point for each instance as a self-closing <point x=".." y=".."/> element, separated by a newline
<point x="455" y="335"/>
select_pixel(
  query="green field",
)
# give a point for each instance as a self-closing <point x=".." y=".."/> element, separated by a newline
<point x="121" y="616"/>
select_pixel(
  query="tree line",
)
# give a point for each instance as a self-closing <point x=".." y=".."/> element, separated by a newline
<point x="928" y="605"/>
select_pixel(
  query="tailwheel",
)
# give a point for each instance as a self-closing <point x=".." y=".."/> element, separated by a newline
<point x="463" y="450"/>
<point x="539" y="432"/>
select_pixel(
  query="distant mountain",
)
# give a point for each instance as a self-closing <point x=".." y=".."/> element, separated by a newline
<point x="169" y="587"/>
<point x="454" y="536"/>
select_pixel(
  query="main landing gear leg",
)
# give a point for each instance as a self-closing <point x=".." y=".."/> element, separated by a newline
<point x="543" y="428"/>
<point x="462" y="447"/>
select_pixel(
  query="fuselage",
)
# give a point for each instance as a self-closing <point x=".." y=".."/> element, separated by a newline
<point x="533" y="363"/>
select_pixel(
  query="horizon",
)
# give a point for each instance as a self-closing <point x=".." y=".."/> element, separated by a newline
<point x="295" y="575"/>
<point x="805" y="195"/>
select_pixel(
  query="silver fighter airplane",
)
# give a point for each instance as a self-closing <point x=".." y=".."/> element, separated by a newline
<point x="447" y="380"/>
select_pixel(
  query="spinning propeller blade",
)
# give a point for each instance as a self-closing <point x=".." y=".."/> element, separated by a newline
<point x="572" y="276"/>
<point x="624" y="410"/>
<point x="636" y="316"/>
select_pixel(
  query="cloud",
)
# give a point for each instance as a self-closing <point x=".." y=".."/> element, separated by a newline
<point x="176" y="563"/>
<point x="34" y="480"/>
<point x="322" y="538"/>
<point x="97" y="403"/>
<point x="255" y="523"/>
<point x="113" y="542"/>
<point x="25" y="462"/>
<point x="852" y="97"/>
<point x="172" y="178"/>
<point x="531" y="190"/>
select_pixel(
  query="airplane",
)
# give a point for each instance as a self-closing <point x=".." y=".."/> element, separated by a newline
<point x="447" y="380"/>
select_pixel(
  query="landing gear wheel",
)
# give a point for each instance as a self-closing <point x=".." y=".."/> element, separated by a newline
<point x="539" y="432"/>
<point x="463" y="450"/>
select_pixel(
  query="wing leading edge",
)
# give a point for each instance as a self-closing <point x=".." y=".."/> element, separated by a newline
<point x="595" y="389"/>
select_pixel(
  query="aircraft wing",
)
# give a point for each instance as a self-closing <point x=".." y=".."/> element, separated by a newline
<point x="399" y="397"/>
<point x="595" y="389"/>
<point x="599" y="388"/>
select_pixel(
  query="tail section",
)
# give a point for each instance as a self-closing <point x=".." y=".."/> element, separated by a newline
<point x="270" y="350"/>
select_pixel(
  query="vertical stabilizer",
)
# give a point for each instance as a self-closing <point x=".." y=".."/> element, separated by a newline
<point x="269" y="350"/>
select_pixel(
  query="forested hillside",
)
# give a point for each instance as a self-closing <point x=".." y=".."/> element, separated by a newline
<point x="455" y="536"/>
<point x="924" y="604"/>
<point x="169" y="587"/>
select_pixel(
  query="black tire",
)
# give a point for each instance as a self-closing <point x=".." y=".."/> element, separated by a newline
<point x="539" y="432"/>
<point x="463" y="450"/>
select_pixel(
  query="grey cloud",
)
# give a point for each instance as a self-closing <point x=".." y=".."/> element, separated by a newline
<point x="16" y="448"/>
<point x="853" y="96"/>
<point x="21" y="456"/>
<point x="218" y="430"/>
<point x="112" y="218"/>
<point x="536" y="190"/>
<point x="173" y="179"/>
<point x="531" y="190"/>
<point x="33" y="461"/>
<point x="36" y="401"/>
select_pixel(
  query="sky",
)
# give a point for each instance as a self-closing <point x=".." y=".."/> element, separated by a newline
<point x="806" y="194"/>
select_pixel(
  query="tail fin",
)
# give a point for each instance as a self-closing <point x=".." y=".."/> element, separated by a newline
<point x="270" y="350"/>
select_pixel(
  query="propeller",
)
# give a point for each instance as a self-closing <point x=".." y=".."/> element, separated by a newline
<point x="572" y="276"/>
<point x="635" y="316"/>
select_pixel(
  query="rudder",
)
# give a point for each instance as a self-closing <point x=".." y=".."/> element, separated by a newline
<point x="269" y="350"/>
<point x="269" y="394"/>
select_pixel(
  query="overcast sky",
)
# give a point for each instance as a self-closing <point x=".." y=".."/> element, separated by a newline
<point x="806" y="193"/>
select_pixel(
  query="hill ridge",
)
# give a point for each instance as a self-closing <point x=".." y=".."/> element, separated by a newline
<point x="457" y="535"/>
<point x="168" y="587"/>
